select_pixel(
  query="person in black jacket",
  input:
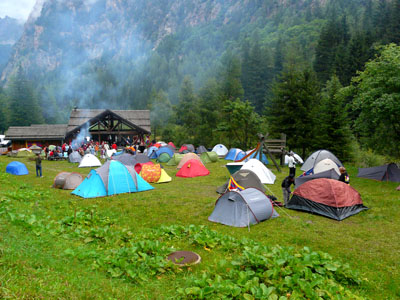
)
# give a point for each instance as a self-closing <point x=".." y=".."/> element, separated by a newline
<point x="286" y="183"/>
<point x="344" y="177"/>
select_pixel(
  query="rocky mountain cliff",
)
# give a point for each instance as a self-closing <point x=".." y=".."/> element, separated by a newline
<point x="10" y="32"/>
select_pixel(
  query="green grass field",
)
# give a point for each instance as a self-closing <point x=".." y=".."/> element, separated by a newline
<point x="39" y="262"/>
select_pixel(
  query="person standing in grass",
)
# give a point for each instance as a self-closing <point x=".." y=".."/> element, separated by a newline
<point x="286" y="183"/>
<point x="292" y="164"/>
<point x="38" y="161"/>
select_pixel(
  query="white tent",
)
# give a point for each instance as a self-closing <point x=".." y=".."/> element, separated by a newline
<point x="265" y="175"/>
<point x="220" y="149"/>
<point x="296" y="156"/>
<point x="325" y="165"/>
<point x="89" y="160"/>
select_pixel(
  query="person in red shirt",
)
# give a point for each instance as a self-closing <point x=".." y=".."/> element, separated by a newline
<point x="114" y="146"/>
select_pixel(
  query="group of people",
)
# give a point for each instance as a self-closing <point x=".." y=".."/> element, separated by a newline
<point x="289" y="180"/>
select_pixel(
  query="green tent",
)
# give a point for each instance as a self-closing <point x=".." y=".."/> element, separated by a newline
<point x="174" y="161"/>
<point x="208" y="157"/>
<point x="163" y="158"/>
<point x="25" y="153"/>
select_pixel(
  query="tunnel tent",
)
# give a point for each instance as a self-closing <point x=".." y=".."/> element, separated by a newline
<point x="88" y="161"/>
<point x="316" y="157"/>
<point x="331" y="174"/>
<point x="389" y="172"/>
<point x="126" y="158"/>
<point x="111" y="179"/>
<point x="209" y="157"/>
<point x="264" y="174"/>
<point x="325" y="165"/>
<point x="16" y="168"/>
<point x="141" y="158"/>
<point x="75" y="157"/>
<point x="221" y="150"/>
<point x="67" y="180"/>
<point x="174" y="161"/>
<point x="186" y="157"/>
<point x="244" y="178"/>
<point x="327" y="197"/>
<point x="192" y="168"/>
<point x="242" y="208"/>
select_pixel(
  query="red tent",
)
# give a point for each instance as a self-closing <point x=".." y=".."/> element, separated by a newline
<point x="327" y="197"/>
<point x="193" y="168"/>
<point x="183" y="148"/>
<point x="138" y="166"/>
<point x="172" y="144"/>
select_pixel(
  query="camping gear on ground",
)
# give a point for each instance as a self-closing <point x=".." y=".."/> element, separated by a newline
<point x="331" y="174"/>
<point x="35" y="149"/>
<point x="141" y="158"/>
<point x="163" y="158"/>
<point x="325" y="165"/>
<point x="184" y="258"/>
<point x="151" y="152"/>
<point x="111" y="179"/>
<point x="75" y="157"/>
<point x="327" y="197"/>
<point x="390" y="172"/>
<point x="253" y="155"/>
<point x="167" y="150"/>
<point x="235" y="154"/>
<point x="208" y="157"/>
<point x="242" y="208"/>
<point x="16" y="168"/>
<point x="138" y="167"/>
<point x="88" y="161"/>
<point x="221" y="150"/>
<point x="244" y="179"/>
<point x="67" y="180"/>
<point x="234" y="167"/>
<point x="265" y="175"/>
<point x="296" y="156"/>
<point x="186" y="157"/>
<point x="126" y="158"/>
<point x="201" y="149"/>
<point x="174" y="161"/>
<point x="317" y="156"/>
<point x="193" y="168"/>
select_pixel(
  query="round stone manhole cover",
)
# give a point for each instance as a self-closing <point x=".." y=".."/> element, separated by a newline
<point x="182" y="258"/>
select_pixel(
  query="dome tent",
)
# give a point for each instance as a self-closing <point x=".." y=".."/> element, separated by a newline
<point x="244" y="178"/>
<point x="221" y="150"/>
<point x="111" y="179"/>
<point x="208" y="157"/>
<point x="235" y="154"/>
<point x="186" y="157"/>
<point x="165" y="149"/>
<point x="265" y="175"/>
<point x="152" y="152"/>
<point x="74" y="157"/>
<point x="327" y="197"/>
<point x="126" y="158"/>
<point x="201" y="149"/>
<point x="67" y="180"/>
<point x="325" y="165"/>
<point x="332" y="174"/>
<point x="163" y="158"/>
<point x="16" y="168"/>
<point x="141" y="158"/>
<point x="88" y="161"/>
<point x="193" y="168"/>
<point x="242" y="208"/>
<point x="316" y="157"/>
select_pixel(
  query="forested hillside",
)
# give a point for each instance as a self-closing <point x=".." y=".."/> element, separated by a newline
<point x="210" y="71"/>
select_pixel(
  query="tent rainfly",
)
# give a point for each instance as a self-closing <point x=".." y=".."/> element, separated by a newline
<point x="316" y="157"/>
<point x="390" y="172"/>
<point x="192" y="168"/>
<point x="67" y="180"/>
<point x="245" y="179"/>
<point x="235" y="154"/>
<point x="331" y="174"/>
<point x="88" y="161"/>
<point x="126" y="158"/>
<point x="242" y="208"/>
<point x="16" y="168"/>
<point x="186" y="157"/>
<point x="264" y="174"/>
<point x="325" y="165"/>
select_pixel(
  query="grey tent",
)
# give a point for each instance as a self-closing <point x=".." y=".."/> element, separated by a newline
<point x="327" y="174"/>
<point x="126" y="158"/>
<point x="242" y="208"/>
<point x="317" y="156"/>
<point x="75" y="157"/>
<point x="390" y="172"/>
<point x="246" y="179"/>
<point x="190" y="147"/>
<point x="67" y="180"/>
<point x="141" y="158"/>
<point x="201" y="149"/>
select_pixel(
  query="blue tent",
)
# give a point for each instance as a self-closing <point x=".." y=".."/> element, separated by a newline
<point x="111" y="179"/>
<point x="165" y="150"/>
<point x="235" y="154"/>
<point x="152" y="152"/>
<point x="16" y="168"/>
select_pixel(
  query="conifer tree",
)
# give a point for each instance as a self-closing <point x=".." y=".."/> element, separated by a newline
<point x="4" y="114"/>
